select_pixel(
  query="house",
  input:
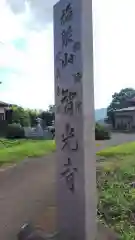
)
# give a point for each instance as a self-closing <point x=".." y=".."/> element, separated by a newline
<point x="125" y="118"/>
<point x="4" y="110"/>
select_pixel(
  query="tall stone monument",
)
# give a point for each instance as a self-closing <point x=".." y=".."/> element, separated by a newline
<point x="75" y="140"/>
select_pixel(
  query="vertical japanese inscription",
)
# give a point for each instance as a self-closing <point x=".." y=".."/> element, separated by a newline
<point x="67" y="138"/>
<point x="66" y="37"/>
<point x="69" y="103"/>
<point x="69" y="174"/>
<point x="67" y="14"/>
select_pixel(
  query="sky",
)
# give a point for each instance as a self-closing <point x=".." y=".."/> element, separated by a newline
<point x="26" y="51"/>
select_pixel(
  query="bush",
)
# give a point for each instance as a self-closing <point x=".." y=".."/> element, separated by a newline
<point x="101" y="132"/>
<point x="15" y="130"/>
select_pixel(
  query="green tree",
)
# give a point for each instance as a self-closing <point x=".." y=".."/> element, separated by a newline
<point x="119" y="100"/>
<point x="20" y="115"/>
<point x="47" y="118"/>
<point x="33" y="114"/>
<point x="27" y="117"/>
<point x="51" y="108"/>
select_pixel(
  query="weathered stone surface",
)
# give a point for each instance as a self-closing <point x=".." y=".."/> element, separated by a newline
<point x="74" y="120"/>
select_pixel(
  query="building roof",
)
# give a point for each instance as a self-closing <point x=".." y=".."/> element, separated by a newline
<point x="125" y="109"/>
<point x="4" y="104"/>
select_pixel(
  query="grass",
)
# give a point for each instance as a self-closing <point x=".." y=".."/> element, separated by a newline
<point x="116" y="196"/>
<point x="12" y="151"/>
<point x="120" y="150"/>
<point x="116" y="205"/>
<point x="6" y="143"/>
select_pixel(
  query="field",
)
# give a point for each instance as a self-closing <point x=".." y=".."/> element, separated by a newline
<point x="116" y="189"/>
<point x="12" y="151"/>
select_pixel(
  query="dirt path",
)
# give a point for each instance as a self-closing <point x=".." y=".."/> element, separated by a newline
<point x="27" y="193"/>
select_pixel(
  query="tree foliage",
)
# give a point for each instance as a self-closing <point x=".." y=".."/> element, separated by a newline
<point x="28" y="117"/>
<point x="20" y="115"/>
<point x="101" y="132"/>
<point x="119" y="100"/>
<point x="33" y="115"/>
<point x="15" y="130"/>
<point x="48" y="116"/>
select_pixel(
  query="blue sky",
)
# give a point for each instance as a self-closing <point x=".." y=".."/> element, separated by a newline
<point x="26" y="50"/>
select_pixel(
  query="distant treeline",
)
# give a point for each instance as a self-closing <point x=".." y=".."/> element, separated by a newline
<point x="28" y="117"/>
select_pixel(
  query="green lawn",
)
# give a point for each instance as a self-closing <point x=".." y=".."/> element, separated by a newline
<point x="116" y="205"/>
<point x="15" y="150"/>
<point x="124" y="149"/>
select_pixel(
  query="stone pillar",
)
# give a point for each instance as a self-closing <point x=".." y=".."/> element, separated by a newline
<point x="74" y="120"/>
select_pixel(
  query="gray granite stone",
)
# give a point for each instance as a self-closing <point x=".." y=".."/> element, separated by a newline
<point x="74" y="120"/>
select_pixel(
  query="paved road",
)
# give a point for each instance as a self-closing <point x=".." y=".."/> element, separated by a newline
<point x="116" y="139"/>
<point x="26" y="193"/>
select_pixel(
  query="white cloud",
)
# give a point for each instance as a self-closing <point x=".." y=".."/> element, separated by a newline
<point x="114" y="38"/>
<point x="37" y="13"/>
<point x="33" y="87"/>
<point x="10" y="57"/>
<point x="10" y="25"/>
<point x="114" y="50"/>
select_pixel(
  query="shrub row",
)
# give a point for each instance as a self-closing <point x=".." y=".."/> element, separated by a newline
<point x="17" y="131"/>
<point x="101" y="132"/>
